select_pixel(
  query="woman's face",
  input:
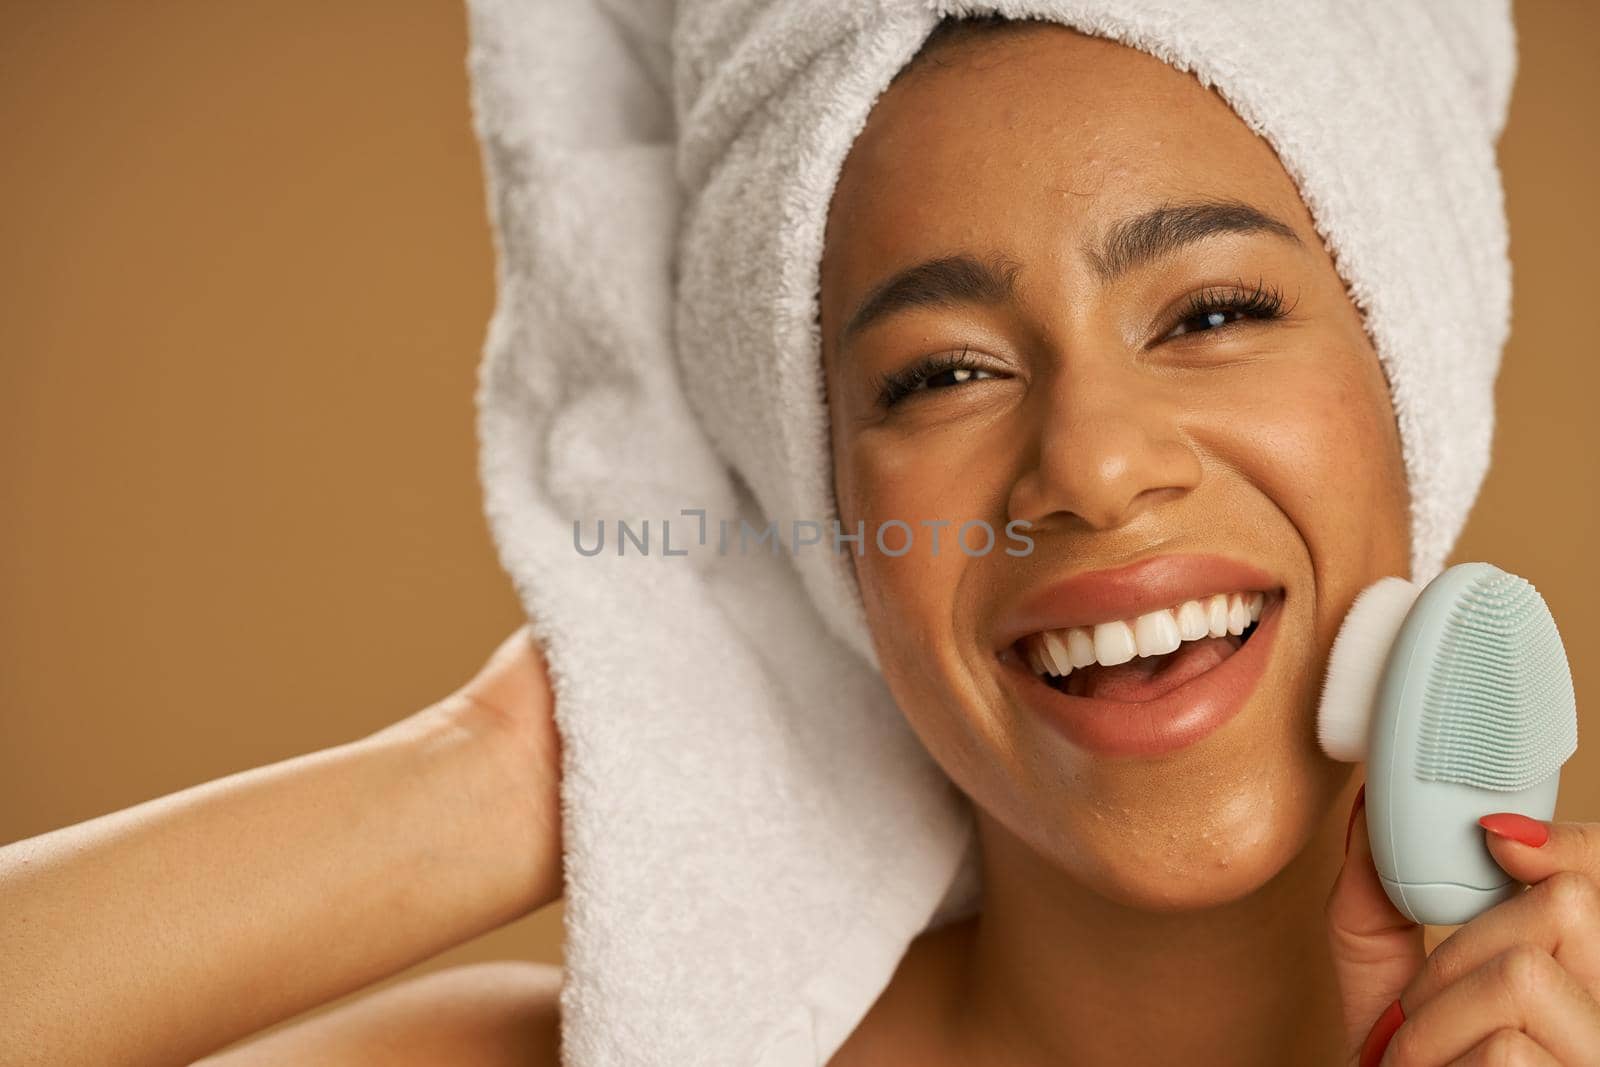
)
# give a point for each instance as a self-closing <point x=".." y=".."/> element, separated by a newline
<point x="1196" y="381"/>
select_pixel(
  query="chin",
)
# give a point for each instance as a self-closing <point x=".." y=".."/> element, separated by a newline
<point x="1200" y="826"/>
<point x="1204" y="830"/>
<point x="1171" y="879"/>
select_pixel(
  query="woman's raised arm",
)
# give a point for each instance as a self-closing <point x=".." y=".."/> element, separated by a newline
<point x="160" y="933"/>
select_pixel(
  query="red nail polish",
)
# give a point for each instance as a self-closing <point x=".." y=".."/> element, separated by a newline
<point x="1510" y="825"/>
<point x="1382" y="1030"/>
<point x="1355" y="809"/>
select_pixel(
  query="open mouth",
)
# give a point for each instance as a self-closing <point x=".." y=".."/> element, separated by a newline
<point x="1143" y="659"/>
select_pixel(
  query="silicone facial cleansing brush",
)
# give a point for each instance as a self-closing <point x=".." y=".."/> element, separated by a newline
<point x="1459" y="697"/>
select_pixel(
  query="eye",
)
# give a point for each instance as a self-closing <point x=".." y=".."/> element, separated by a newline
<point x="945" y="371"/>
<point x="1214" y="308"/>
<point x="1208" y="320"/>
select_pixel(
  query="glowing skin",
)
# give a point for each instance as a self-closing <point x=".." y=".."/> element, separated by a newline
<point x="1138" y="910"/>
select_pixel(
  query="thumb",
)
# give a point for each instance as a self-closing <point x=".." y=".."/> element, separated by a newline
<point x="1530" y="850"/>
<point x="1376" y="950"/>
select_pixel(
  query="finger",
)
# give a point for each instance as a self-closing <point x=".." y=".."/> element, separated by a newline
<point x="1376" y="950"/>
<point x="1531" y="851"/>
<point x="1522" y="989"/>
<point x="1560" y="916"/>
<point x="1507" y="1048"/>
<point x="515" y="684"/>
<point x="512" y="658"/>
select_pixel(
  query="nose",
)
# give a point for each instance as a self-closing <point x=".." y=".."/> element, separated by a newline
<point x="1108" y="447"/>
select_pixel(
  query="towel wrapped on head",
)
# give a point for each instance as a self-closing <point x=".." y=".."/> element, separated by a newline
<point x="753" y="835"/>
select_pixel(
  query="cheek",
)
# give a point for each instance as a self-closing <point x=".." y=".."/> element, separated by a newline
<point x="1317" y="442"/>
<point x="921" y="491"/>
<point x="1318" y="437"/>
<point x="914" y="602"/>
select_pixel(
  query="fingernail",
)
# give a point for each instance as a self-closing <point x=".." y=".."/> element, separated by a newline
<point x="1382" y="1030"/>
<point x="1514" y="827"/>
<point x="1355" y="809"/>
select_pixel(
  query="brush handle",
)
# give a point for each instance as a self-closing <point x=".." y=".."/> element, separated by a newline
<point x="1426" y="844"/>
<point x="1430" y="851"/>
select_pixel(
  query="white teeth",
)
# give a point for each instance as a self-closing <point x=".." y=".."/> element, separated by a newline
<point x="1192" y="623"/>
<point x="1080" y="646"/>
<point x="1055" y="651"/>
<point x="1238" y="614"/>
<point x="1114" y="643"/>
<point x="1156" y="633"/>
<point x="1217" y="614"/>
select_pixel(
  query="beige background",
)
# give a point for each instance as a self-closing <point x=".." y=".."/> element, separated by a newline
<point x="244" y="277"/>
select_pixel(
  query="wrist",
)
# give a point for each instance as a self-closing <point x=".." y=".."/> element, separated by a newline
<point x="514" y="786"/>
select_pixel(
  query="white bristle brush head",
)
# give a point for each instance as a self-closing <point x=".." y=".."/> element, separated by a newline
<point x="1356" y="663"/>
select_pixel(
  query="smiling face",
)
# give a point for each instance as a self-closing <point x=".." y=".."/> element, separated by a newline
<point x="1136" y="343"/>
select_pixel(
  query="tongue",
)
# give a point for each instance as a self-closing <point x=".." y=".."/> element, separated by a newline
<point x="1147" y="677"/>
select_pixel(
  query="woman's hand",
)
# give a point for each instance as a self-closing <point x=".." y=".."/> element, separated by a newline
<point x="167" y="930"/>
<point x="514" y="685"/>
<point x="1520" y="984"/>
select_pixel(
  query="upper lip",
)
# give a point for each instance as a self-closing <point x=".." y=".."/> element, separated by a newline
<point x="1129" y="591"/>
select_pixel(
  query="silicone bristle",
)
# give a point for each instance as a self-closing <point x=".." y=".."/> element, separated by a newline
<point x="1355" y="666"/>
<point x="1499" y="711"/>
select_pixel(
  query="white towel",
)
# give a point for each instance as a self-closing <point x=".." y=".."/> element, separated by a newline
<point x="753" y="835"/>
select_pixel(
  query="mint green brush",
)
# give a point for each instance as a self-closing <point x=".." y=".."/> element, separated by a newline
<point x="1460" y="699"/>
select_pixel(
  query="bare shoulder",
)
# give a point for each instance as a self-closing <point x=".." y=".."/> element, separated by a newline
<point x="480" y="1015"/>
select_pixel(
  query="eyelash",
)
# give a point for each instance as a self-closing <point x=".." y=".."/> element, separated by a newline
<point x="1262" y="302"/>
<point x="892" y="388"/>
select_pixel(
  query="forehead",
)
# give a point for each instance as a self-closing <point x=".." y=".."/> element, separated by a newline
<point x="1035" y="141"/>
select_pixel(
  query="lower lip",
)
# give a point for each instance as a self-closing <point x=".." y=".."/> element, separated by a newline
<point x="1170" y="721"/>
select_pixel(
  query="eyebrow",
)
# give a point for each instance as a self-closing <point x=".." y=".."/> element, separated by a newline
<point x="964" y="278"/>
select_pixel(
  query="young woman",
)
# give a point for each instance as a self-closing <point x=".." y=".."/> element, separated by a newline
<point x="1150" y="357"/>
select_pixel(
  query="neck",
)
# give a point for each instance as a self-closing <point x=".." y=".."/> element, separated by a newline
<point x="1058" y="973"/>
